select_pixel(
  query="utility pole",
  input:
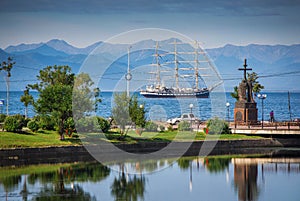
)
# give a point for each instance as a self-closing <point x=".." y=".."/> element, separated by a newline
<point x="289" y="105"/>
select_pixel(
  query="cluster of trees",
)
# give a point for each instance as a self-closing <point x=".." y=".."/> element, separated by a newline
<point x="66" y="98"/>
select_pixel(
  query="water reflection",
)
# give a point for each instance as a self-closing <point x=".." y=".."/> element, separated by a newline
<point x="245" y="181"/>
<point x="230" y="178"/>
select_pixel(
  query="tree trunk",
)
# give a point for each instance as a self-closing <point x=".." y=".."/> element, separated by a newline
<point x="61" y="129"/>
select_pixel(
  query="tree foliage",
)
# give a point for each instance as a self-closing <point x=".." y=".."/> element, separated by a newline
<point x="120" y="110"/>
<point x="151" y="126"/>
<point x="235" y="93"/>
<point x="55" y="94"/>
<point x="137" y="112"/>
<point x="85" y="97"/>
<point x="7" y="66"/>
<point x="14" y="123"/>
<point x="252" y="78"/>
<point x="27" y="99"/>
<point x="59" y="92"/>
<point x="127" y="110"/>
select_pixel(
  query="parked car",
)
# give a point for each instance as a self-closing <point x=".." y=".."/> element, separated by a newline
<point x="297" y="119"/>
<point x="184" y="117"/>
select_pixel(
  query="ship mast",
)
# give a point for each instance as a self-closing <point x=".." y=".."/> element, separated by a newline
<point x="196" y="66"/>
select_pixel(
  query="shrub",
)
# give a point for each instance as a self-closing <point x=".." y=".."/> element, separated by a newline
<point x="2" y="118"/>
<point x="217" y="126"/>
<point x="87" y="124"/>
<point x="14" y="123"/>
<point x="45" y="122"/>
<point x="69" y="126"/>
<point x="161" y="128"/>
<point x="104" y="125"/>
<point x="170" y="128"/>
<point x="184" y="126"/>
<point x="33" y="125"/>
<point x="151" y="126"/>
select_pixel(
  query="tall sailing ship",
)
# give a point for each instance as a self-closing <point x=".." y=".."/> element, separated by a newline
<point x="191" y="69"/>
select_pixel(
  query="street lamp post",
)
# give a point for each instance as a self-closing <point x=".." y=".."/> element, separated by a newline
<point x="191" y="107"/>
<point x="228" y="105"/>
<point x="262" y="97"/>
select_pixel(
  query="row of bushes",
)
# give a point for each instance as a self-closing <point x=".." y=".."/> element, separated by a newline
<point x="15" y="123"/>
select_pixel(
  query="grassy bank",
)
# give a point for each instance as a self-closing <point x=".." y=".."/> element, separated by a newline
<point x="51" y="138"/>
<point x="38" y="139"/>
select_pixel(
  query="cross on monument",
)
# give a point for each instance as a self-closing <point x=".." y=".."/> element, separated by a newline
<point x="245" y="69"/>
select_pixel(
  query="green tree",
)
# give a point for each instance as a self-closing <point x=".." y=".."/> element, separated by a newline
<point x="85" y="97"/>
<point x="55" y="94"/>
<point x="27" y="99"/>
<point x="256" y="86"/>
<point x="7" y="66"/>
<point x="235" y="93"/>
<point x="120" y="110"/>
<point x="137" y="112"/>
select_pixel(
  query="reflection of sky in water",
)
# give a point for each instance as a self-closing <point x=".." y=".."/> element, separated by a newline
<point x="196" y="179"/>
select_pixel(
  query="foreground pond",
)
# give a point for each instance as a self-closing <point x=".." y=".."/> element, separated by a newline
<point x="189" y="178"/>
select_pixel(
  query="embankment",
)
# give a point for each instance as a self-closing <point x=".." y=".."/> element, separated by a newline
<point x="68" y="154"/>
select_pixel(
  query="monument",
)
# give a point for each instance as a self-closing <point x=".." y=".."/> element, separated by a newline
<point x="245" y="111"/>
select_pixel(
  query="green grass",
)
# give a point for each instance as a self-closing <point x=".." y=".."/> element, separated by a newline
<point x="39" y="139"/>
<point x="51" y="138"/>
<point x="169" y="136"/>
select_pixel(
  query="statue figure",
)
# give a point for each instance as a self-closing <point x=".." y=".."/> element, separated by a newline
<point x="242" y="91"/>
<point x="245" y="87"/>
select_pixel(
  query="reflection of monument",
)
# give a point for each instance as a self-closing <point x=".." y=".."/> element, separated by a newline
<point x="245" y="180"/>
<point x="245" y="110"/>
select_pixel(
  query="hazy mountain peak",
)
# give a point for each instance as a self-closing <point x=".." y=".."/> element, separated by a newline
<point x="22" y="47"/>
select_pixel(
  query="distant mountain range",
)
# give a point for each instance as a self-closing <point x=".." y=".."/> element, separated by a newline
<point x="278" y="65"/>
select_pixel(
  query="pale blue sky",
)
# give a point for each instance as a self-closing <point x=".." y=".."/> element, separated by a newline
<point x="213" y="22"/>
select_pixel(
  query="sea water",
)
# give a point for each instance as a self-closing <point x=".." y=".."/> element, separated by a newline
<point x="161" y="108"/>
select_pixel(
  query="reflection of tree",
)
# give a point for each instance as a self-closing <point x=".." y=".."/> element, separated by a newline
<point x="24" y="191"/>
<point x="65" y="194"/>
<point x="10" y="183"/>
<point x="216" y="164"/>
<point x="245" y="180"/>
<point x="79" y="172"/>
<point x="184" y="163"/>
<point x="58" y="179"/>
<point x="129" y="190"/>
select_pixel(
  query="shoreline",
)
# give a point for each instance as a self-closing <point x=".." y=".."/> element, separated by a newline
<point x="143" y="150"/>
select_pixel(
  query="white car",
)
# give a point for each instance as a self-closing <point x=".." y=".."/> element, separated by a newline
<point x="184" y="117"/>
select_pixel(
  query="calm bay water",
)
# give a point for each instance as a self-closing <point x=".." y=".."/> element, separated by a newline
<point x="189" y="179"/>
<point x="162" y="109"/>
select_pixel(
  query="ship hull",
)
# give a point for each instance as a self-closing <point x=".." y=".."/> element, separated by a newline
<point x="203" y="94"/>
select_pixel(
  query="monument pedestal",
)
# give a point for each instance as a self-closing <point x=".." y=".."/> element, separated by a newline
<point x="245" y="113"/>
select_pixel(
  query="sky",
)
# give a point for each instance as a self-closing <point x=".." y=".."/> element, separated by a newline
<point x="214" y="23"/>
